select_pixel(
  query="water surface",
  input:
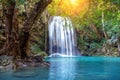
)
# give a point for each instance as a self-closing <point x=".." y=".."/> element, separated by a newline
<point x="75" y="68"/>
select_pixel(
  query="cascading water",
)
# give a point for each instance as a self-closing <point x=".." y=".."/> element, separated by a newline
<point x="62" y="38"/>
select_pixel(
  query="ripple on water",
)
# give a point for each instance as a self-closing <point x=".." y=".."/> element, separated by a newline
<point x="25" y="74"/>
<point x="2" y="78"/>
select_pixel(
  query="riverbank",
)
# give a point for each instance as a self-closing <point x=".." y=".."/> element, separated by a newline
<point x="7" y="62"/>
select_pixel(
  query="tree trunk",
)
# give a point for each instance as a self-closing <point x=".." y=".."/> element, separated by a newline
<point x="11" y="46"/>
<point x="94" y="28"/>
<point x="108" y="46"/>
<point x="103" y="26"/>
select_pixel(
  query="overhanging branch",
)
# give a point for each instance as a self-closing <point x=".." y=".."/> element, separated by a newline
<point x="33" y="16"/>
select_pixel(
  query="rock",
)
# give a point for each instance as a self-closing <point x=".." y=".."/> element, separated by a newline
<point x="6" y="62"/>
<point x="35" y="61"/>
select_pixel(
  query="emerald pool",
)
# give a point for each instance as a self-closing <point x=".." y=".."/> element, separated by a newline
<point x="70" y="68"/>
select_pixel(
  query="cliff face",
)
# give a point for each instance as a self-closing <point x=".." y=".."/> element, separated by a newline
<point x="39" y="35"/>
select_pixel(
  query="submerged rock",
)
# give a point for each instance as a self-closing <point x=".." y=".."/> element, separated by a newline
<point x="6" y="62"/>
<point x="35" y="61"/>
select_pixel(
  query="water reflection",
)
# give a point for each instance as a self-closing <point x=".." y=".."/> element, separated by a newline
<point x="63" y="69"/>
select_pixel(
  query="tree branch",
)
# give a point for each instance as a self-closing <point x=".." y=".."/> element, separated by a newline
<point x="33" y="16"/>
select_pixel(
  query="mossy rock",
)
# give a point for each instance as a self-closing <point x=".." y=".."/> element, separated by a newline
<point x="5" y="60"/>
<point x="43" y="54"/>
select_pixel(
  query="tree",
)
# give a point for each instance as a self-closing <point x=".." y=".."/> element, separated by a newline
<point x="17" y="39"/>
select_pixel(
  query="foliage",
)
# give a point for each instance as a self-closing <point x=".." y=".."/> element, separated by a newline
<point x="37" y="51"/>
<point x="88" y="21"/>
<point x="90" y="27"/>
<point x="72" y="8"/>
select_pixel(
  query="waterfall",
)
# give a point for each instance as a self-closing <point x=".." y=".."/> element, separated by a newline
<point x="62" y="37"/>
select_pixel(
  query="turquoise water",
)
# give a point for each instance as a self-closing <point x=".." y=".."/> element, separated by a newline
<point x="76" y="68"/>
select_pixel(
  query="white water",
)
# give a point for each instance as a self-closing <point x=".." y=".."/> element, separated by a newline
<point x="62" y="38"/>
